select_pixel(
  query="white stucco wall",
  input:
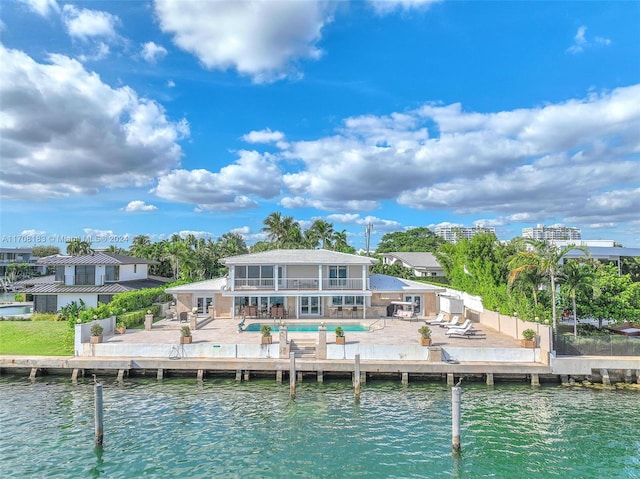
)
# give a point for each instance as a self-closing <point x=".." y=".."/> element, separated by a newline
<point x="127" y="272"/>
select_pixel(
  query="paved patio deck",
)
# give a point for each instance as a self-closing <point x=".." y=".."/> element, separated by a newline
<point x="392" y="332"/>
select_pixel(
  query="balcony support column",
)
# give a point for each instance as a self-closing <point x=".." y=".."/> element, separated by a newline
<point x="319" y="277"/>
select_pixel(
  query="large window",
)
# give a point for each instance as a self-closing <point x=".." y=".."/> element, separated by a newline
<point x="105" y="298"/>
<point x="255" y="276"/>
<point x="85" y="274"/>
<point x="112" y="272"/>
<point x="347" y="300"/>
<point x="337" y="276"/>
<point x="45" y="303"/>
<point x="60" y="273"/>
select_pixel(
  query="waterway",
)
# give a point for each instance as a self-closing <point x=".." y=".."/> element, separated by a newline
<point x="220" y="428"/>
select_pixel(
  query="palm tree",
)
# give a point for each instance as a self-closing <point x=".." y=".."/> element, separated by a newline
<point x="78" y="247"/>
<point x="273" y="227"/>
<point x="140" y="247"/>
<point x="576" y="277"/>
<point x="544" y="258"/>
<point x="321" y="232"/>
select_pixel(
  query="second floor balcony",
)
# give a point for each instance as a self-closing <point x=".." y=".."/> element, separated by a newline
<point x="310" y="284"/>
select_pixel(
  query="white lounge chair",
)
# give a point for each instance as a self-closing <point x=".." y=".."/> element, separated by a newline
<point x="460" y="332"/>
<point x="438" y="319"/>
<point x="454" y="322"/>
<point x="466" y="323"/>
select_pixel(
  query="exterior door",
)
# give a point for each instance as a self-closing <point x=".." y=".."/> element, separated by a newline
<point x="417" y="300"/>
<point x="310" y="306"/>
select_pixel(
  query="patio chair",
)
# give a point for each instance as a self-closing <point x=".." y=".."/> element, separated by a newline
<point x="460" y="332"/>
<point x="354" y="312"/>
<point x="184" y="317"/>
<point x="339" y="312"/>
<point x="454" y="321"/>
<point x="438" y="319"/>
<point x="466" y="323"/>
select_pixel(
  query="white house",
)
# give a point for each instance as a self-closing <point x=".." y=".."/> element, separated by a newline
<point x="94" y="278"/>
<point x="422" y="264"/>
<point x="303" y="284"/>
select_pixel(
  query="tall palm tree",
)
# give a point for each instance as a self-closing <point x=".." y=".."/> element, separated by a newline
<point x="78" y="247"/>
<point x="322" y="232"/>
<point x="273" y="227"/>
<point x="577" y="277"/>
<point x="141" y="247"/>
<point x="544" y="258"/>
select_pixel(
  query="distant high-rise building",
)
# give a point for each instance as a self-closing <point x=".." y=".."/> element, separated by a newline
<point x="552" y="233"/>
<point x="453" y="233"/>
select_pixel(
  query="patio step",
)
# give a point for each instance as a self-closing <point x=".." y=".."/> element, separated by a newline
<point x="303" y="348"/>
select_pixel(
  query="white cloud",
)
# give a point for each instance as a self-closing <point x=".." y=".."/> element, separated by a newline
<point x="580" y="41"/>
<point x="260" y="39"/>
<point x="32" y="233"/>
<point x="85" y="24"/>
<point x="152" y="52"/>
<point x="252" y="174"/>
<point x="100" y="52"/>
<point x="64" y="132"/>
<point x="263" y="136"/>
<point x="539" y="161"/>
<point x="384" y="7"/>
<point x="198" y="234"/>
<point x="43" y="7"/>
<point x="171" y="84"/>
<point x="138" y="205"/>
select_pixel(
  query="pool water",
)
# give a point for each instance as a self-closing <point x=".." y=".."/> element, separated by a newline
<point x="307" y="327"/>
<point x="14" y="310"/>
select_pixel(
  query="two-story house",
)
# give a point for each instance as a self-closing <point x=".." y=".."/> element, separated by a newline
<point x="94" y="278"/>
<point x="302" y="284"/>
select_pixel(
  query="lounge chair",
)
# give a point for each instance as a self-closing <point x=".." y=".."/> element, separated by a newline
<point x="460" y="332"/>
<point x="437" y="320"/>
<point x="454" y="322"/>
<point x="466" y="323"/>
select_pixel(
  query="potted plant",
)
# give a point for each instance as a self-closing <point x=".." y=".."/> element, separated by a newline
<point x="340" y="335"/>
<point x="529" y="338"/>
<point x="425" y="335"/>
<point x="96" y="333"/>
<point x="120" y="327"/>
<point x="266" y="334"/>
<point x="185" y="335"/>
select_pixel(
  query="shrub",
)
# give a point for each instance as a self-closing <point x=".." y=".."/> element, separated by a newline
<point x="185" y="331"/>
<point x="425" y="332"/>
<point x="96" y="330"/>
<point x="265" y="330"/>
<point x="528" y="334"/>
<point x="339" y="332"/>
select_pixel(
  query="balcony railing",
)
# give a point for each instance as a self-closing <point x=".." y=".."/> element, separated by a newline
<point x="312" y="284"/>
<point x="83" y="280"/>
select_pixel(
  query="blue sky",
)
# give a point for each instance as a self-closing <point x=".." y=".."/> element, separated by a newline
<point x="127" y="118"/>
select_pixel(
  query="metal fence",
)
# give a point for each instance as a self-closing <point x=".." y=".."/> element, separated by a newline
<point x="597" y="346"/>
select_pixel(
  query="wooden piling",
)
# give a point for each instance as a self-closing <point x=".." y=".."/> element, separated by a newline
<point x="238" y="375"/>
<point x="279" y="376"/>
<point x="33" y="374"/>
<point x="200" y="375"/>
<point x="74" y="375"/>
<point x="120" y="378"/>
<point x="99" y="427"/>
<point x="356" y="377"/>
<point x="606" y="380"/>
<point x="246" y="375"/>
<point x="450" y="379"/>
<point x="160" y="374"/>
<point x="456" y="393"/>
<point x="320" y="377"/>
<point x="292" y="375"/>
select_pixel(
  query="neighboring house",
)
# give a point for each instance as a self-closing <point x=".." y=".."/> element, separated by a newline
<point x="303" y="284"/>
<point x="422" y="264"/>
<point x="94" y="278"/>
<point x="604" y="254"/>
<point x="18" y="255"/>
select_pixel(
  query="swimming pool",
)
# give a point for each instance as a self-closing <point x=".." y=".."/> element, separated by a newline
<point x="14" y="310"/>
<point x="308" y="327"/>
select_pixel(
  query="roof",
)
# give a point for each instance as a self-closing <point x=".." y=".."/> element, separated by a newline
<point x="107" y="288"/>
<point x="209" y="285"/>
<point x="415" y="259"/>
<point x="95" y="258"/>
<point x="298" y="256"/>
<point x="382" y="282"/>
<point x="605" y="251"/>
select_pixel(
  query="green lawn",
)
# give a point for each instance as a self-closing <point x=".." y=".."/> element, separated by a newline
<point x="35" y="338"/>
